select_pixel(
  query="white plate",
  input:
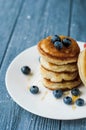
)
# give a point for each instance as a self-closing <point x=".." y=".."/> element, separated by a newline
<point x="43" y="104"/>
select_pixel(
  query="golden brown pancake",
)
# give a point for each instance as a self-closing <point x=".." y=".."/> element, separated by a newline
<point x="62" y="85"/>
<point x="82" y="66"/>
<point x="53" y="55"/>
<point x="58" y="76"/>
<point x="72" y="67"/>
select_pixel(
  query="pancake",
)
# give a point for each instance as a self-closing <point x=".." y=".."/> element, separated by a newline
<point x="58" y="76"/>
<point x="66" y="55"/>
<point x="58" y="68"/>
<point x="66" y="85"/>
<point x="82" y="66"/>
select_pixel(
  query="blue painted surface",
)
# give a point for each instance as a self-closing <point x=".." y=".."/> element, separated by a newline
<point x="22" y="24"/>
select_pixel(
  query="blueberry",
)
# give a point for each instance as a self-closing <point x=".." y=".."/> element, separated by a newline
<point x="75" y="92"/>
<point x="58" y="45"/>
<point x="80" y="102"/>
<point x="34" y="89"/>
<point x="25" y="70"/>
<point x="58" y="93"/>
<point x="66" y="42"/>
<point x="55" y="38"/>
<point x="67" y="100"/>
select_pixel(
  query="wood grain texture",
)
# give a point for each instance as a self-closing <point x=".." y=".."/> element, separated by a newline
<point x="78" y="20"/>
<point x="13" y="116"/>
<point x="9" y="11"/>
<point x="79" y="124"/>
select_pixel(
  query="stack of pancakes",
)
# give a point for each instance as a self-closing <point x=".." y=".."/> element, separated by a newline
<point x="59" y="66"/>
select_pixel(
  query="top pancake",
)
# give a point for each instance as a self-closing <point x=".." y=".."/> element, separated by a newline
<point x="47" y="48"/>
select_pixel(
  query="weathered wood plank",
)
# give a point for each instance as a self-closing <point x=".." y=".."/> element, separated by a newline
<point x="8" y="112"/>
<point x="34" y="122"/>
<point x="9" y="11"/>
<point x="77" y="31"/>
<point x="11" y="116"/>
<point x="78" y="20"/>
<point x="79" y="124"/>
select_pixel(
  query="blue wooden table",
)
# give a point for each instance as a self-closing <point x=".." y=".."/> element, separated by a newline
<point x="22" y="24"/>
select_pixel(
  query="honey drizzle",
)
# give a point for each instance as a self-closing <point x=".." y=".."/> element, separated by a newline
<point x="73" y="107"/>
<point x="43" y="97"/>
<point x="74" y="98"/>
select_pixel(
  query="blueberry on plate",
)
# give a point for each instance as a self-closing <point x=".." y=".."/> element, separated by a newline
<point x="67" y="100"/>
<point x="75" y="92"/>
<point x="34" y="89"/>
<point x="66" y="42"/>
<point x="58" y="93"/>
<point x="25" y="70"/>
<point x="55" y="38"/>
<point x="79" y="102"/>
<point x="58" y="45"/>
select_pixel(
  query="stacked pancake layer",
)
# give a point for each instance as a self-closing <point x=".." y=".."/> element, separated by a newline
<point x="59" y="67"/>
